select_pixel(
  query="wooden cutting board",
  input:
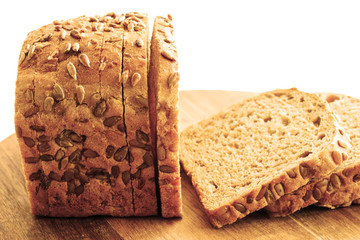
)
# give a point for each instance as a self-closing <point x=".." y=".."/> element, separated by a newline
<point x="16" y="222"/>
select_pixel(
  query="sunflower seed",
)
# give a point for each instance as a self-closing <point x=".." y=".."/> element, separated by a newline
<point x="31" y="51"/>
<point x="141" y="183"/>
<point x="108" y="29"/>
<point x="44" y="138"/>
<point x="43" y="147"/>
<point x="169" y="40"/>
<point x="75" y="156"/>
<point x="75" y="34"/>
<point x="139" y="42"/>
<point x="110" y="151"/>
<point x="90" y="153"/>
<point x="31" y="111"/>
<point x="54" y="176"/>
<point x="67" y="47"/>
<point x="100" y="109"/>
<point x="29" y="95"/>
<point x="142" y="137"/>
<point x="48" y="104"/>
<point x="60" y="154"/>
<point x="31" y="159"/>
<point x="80" y="94"/>
<point x="93" y="19"/>
<point x="62" y="34"/>
<point x="76" y="47"/>
<point x="148" y="159"/>
<point x="21" y="58"/>
<point x="36" y="175"/>
<point x="173" y="79"/>
<point x="168" y="55"/>
<point x="167" y="169"/>
<point x="125" y="177"/>
<point x="46" y="157"/>
<point x="29" y="142"/>
<point x="63" y="163"/>
<point x="71" y="70"/>
<point x="138" y="102"/>
<point x="115" y="171"/>
<point x="125" y="76"/>
<point x="58" y="92"/>
<point x="130" y="27"/>
<point x="102" y="66"/>
<point x="111" y="121"/>
<point x="37" y="128"/>
<point x="121" y="153"/>
<point x="83" y="178"/>
<point x="84" y="60"/>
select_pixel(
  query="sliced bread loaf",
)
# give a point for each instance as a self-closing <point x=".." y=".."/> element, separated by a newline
<point x="340" y="187"/>
<point x="256" y="151"/>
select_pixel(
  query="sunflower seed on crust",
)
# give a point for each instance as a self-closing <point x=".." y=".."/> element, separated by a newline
<point x="84" y="60"/>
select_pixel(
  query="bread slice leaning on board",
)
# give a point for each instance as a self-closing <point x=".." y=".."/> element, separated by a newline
<point x="341" y="187"/>
<point x="258" y="150"/>
<point x="83" y="118"/>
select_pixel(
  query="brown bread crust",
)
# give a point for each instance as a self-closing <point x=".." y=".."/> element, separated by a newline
<point x="67" y="170"/>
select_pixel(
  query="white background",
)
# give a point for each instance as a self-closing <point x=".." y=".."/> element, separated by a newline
<point x="228" y="45"/>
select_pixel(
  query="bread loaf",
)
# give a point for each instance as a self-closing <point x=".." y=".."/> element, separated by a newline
<point x="251" y="154"/>
<point x="340" y="187"/>
<point x="82" y="117"/>
<point x="164" y="78"/>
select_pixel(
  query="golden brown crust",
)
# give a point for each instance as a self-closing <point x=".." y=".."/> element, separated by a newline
<point x="135" y="89"/>
<point x="72" y="172"/>
<point x="164" y="78"/>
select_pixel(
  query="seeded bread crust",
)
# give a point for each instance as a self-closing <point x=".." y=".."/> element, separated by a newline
<point x="339" y="188"/>
<point x="226" y="208"/>
<point x="67" y="162"/>
<point x="164" y="75"/>
<point x="135" y="85"/>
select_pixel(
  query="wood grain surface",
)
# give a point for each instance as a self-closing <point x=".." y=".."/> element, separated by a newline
<point x="16" y="221"/>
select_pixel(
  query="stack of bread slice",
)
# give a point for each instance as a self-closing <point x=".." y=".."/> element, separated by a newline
<point x="340" y="187"/>
<point x="261" y="150"/>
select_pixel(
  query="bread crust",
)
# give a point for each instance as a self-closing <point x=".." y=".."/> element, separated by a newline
<point x="74" y="176"/>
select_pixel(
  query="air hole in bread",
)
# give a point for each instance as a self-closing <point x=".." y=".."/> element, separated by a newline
<point x="285" y="121"/>
<point x="321" y="136"/>
<point x="267" y="119"/>
<point x="305" y="154"/>
<point x="332" y="98"/>
<point x="290" y="97"/>
<point x="317" y="121"/>
<point x="309" y="110"/>
<point x="302" y="99"/>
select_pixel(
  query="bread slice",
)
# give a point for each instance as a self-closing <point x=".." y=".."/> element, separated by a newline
<point x="135" y="92"/>
<point x="250" y="155"/>
<point x="340" y="187"/>
<point x="164" y="110"/>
